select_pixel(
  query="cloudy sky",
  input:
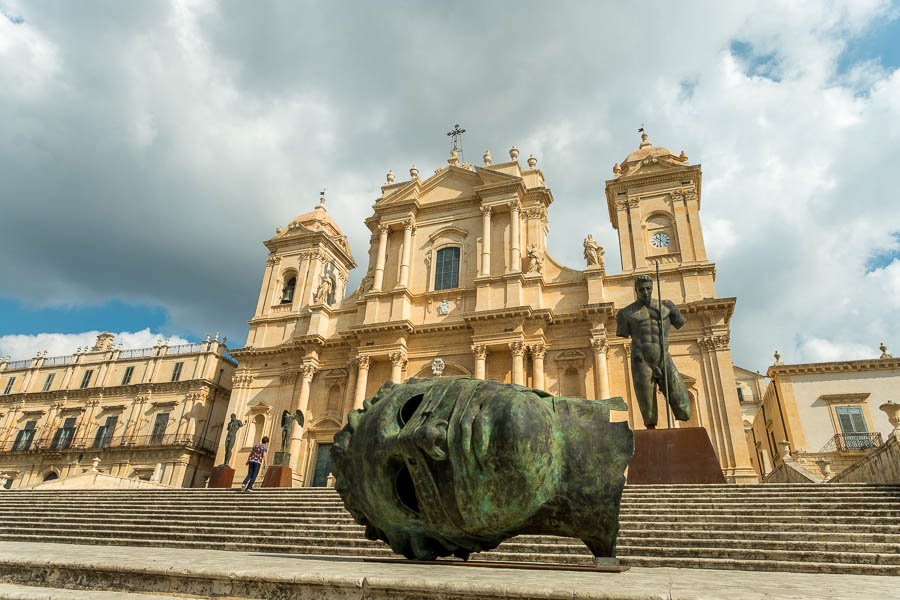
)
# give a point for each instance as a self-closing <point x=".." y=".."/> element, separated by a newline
<point x="147" y="148"/>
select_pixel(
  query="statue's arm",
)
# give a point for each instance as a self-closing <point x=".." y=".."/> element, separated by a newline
<point x="622" y="329"/>
<point x="675" y="317"/>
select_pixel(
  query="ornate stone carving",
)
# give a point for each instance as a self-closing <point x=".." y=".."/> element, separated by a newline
<point x="382" y="228"/>
<point x="517" y="348"/>
<point x="363" y="361"/>
<point x="537" y="350"/>
<point x="437" y="367"/>
<point x="241" y="379"/>
<point x="600" y="344"/>
<point x="409" y="224"/>
<point x="486" y="210"/>
<point x="593" y="252"/>
<point x="308" y="371"/>
<point x="514" y="206"/>
<point x="480" y="351"/>
<point x="398" y="359"/>
<point x="535" y="262"/>
<point x="633" y="202"/>
<point x="288" y="377"/>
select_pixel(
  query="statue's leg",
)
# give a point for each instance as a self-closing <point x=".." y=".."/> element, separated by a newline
<point x="678" y="397"/>
<point x="642" y="375"/>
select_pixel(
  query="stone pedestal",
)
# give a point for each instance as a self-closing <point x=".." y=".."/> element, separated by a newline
<point x="221" y="477"/>
<point x="277" y="476"/>
<point x="674" y="456"/>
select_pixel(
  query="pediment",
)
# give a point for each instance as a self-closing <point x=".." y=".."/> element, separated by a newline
<point x="448" y="184"/>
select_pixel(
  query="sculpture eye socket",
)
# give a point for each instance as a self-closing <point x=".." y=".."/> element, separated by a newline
<point x="408" y="409"/>
<point x="405" y="489"/>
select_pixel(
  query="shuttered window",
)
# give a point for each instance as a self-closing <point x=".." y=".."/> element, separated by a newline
<point x="446" y="272"/>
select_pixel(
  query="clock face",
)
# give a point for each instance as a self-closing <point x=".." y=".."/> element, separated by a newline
<point x="660" y="240"/>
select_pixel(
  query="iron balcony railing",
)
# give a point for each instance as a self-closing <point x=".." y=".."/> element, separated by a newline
<point x="65" y="443"/>
<point x="853" y="442"/>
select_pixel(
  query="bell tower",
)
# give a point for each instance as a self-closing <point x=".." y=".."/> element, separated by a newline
<point x="654" y="204"/>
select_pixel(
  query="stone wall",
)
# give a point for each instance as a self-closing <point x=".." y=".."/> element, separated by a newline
<point x="791" y="472"/>
<point x="881" y="466"/>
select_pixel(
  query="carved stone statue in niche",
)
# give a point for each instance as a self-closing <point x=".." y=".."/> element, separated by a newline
<point x="325" y="291"/>
<point x="535" y="262"/>
<point x="593" y="252"/>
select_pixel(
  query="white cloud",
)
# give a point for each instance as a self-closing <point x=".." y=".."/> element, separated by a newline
<point x="150" y="148"/>
<point x="20" y="347"/>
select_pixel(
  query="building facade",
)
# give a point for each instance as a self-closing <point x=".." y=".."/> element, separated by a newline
<point x="151" y="413"/>
<point x="827" y="411"/>
<point x="459" y="282"/>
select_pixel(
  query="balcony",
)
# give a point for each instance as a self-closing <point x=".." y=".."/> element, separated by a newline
<point x="853" y="442"/>
<point x="114" y="443"/>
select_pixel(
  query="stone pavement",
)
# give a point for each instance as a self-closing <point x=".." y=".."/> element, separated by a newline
<point x="206" y="573"/>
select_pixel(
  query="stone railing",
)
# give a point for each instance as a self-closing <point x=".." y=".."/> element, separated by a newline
<point x="64" y="444"/>
<point x="881" y="466"/>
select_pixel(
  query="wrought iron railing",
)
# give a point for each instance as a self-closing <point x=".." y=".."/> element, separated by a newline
<point x="55" y="361"/>
<point x="186" y="348"/>
<point x="852" y="442"/>
<point x="112" y="443"/>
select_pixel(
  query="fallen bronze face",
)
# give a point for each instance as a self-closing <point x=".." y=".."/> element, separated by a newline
<point x="450" y="466"/>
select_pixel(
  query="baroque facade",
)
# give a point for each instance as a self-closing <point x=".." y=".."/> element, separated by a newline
<point x="459" y="282"/>
<point x="150" y="413"/>
<point x="824" y="417"/>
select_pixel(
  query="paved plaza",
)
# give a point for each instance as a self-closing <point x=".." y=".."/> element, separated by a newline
<point x="163" y="572"/>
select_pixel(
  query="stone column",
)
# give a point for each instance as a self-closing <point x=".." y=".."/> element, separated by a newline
<point x="398" y="363"/>
<point x="518" y="362"/>
<point x="515" y="253"/>
<point x="382" y="255"/>
<point x="537" y="367"/>
<point x="601" y="369"/>
<point x="307" y="372"/>
<point x="480" y="352"/>
<point x="408" y="229"/>
<point x="486" y="241"/>
<point x="362" y="377"/>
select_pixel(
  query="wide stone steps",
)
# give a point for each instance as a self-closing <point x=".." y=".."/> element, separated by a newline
<point x="834" y="528"/>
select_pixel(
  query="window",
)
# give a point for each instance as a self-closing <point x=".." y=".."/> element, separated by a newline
<point x="159" y="428"/>
<point x="25" y="436"/>
<point x="48" y="382"/>
<point x="9" y="384"/>
<point x="86" y="380"/>
<point x="740" y="394"/>
<point x="287" y="292"/>
<point x="853" y="426"/>
<point x="446" y="270"/>
<point x="105" y="432"/>
<point x="126" y="378"/>
<point x="63" y="437"/>
<point x="176" y="372"/>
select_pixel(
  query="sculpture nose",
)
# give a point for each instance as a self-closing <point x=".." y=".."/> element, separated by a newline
<point x="431" y="437"/>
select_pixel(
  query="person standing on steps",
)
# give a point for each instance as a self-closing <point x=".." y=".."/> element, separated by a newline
<point x="255" y="462"/>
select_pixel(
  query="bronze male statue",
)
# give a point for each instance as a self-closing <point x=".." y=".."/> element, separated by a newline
<point x="231" y="437"/>
<point x="640" y="321"/>
<point x="287" y="427"/>
<point x="452" y="465"/>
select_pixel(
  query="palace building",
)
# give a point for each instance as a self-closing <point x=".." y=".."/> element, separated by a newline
<point x="148" y="413"/>
<point x="459" y="281"/>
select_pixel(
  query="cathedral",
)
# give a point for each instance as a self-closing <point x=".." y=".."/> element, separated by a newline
<point x="459" y="282"/>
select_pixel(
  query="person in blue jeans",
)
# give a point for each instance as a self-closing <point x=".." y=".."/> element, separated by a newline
<point x="255" y="462"/>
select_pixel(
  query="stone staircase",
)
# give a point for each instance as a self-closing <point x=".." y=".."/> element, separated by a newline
<point x="829" y="528"/>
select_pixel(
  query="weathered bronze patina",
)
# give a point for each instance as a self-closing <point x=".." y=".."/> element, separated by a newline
<point x="651" y="363"/>
<point x="451" y="466"/>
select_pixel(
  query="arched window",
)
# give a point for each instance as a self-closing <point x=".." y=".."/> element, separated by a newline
<point x="446" y="270"/>
<point x="259" y="425"/>
<point x="287" y="292"/>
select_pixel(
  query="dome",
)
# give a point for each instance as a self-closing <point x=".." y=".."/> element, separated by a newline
<point x="317" y="219"/>
<point x="649" y="157"/>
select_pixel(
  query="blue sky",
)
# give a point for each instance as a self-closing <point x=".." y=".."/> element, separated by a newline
<point x="148" y="149"/>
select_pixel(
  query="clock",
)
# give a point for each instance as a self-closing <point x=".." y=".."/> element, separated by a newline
<point x="660" y="240"/>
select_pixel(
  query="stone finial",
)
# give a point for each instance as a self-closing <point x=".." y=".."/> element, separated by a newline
<point x="532" y="161"/>
<point x="616" y="169"/>
<point x="454" y="158"/>
<point x="95" y="464"/>
<point x="488" y="159"/>
<point x="390" y="176"/>
<point x="413" y="172"/>
<point x="884" y="352"/>
<point x="683" y="157"/>
<point x="824" y="467"/>
<point x="777" y="358"/>
<point x="892" y="410"/>
<point x="514" y="153"/>
<point x="322" y="198"/>
<point x="329" y="481"/>
<point x="785" y="451"/>
<point x="645" y="140"/>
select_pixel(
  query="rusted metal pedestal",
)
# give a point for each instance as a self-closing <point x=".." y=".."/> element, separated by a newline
<point x="277" y="476"/>
<point x="221" y="477"/>
<point x="683" y="455"/>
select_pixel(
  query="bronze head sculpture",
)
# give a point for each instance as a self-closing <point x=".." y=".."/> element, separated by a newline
<point x="451" y="466"/>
